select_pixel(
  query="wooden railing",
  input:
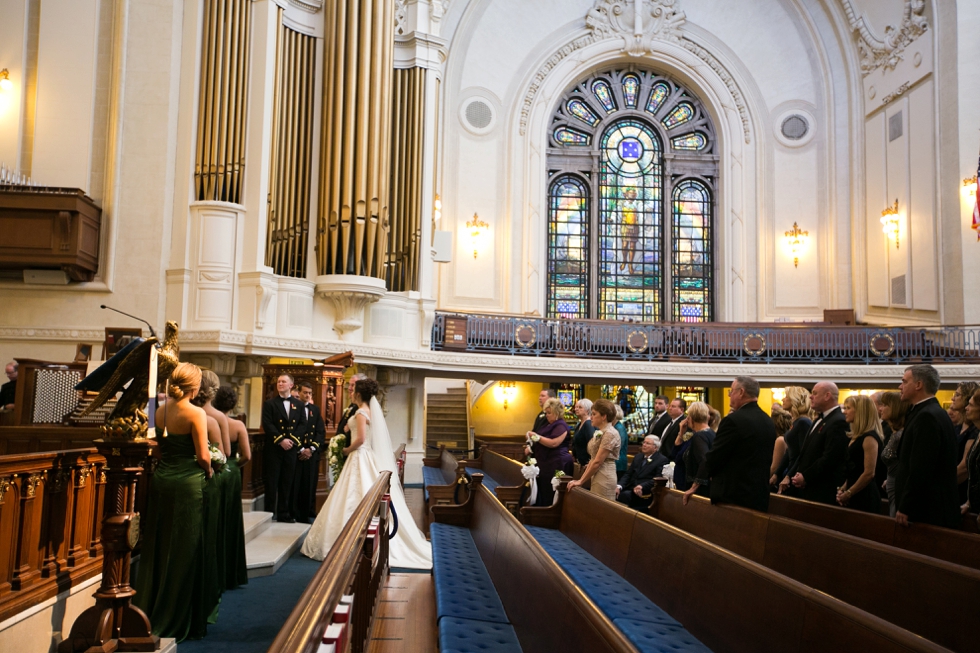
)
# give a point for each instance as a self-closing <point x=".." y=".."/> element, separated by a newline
<point x="357" y="564"/>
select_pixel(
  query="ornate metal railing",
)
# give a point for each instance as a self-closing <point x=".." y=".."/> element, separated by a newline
<point x="715" y="341"/>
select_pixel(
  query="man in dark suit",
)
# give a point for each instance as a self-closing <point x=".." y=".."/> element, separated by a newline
<point x="542" y="419"/>
<point x="308" y="457"/>
<point x="675" y="411"/>
<point x="638" y="479"/>
<point x="342" y="425"/>
<point x="583" y="432"/>
<point x="925" y="484"/>
<point x="660" y="419"/>
<point x="737" y="465"/>
<point x="8" y="391"/>
<point x="284" y="423"/>
<point x="819" y="470"/>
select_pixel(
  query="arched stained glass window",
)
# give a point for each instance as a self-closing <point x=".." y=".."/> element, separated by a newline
<point x="604" y="94"/>
<point x="631" y="88"/>
<point x="630" y="228"/>
<point x="691" y="260"/>
<point x="568" y="249"/>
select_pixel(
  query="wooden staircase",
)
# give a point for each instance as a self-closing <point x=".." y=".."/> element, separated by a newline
<point x="445" y="421"/>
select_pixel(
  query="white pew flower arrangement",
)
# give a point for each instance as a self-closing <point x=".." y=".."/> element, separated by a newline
<point x="337" y="457"/>
<point x="530" y="471"/>
<point x="668" y="473"/>
<point x="555" y="483"/>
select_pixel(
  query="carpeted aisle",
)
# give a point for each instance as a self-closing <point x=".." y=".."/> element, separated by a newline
<point x="251" y="616"/>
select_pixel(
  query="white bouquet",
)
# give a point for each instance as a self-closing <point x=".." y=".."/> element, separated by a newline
<point x="668" y="473"/>
<point x="218" y="458"/>
<point x="337" y="456"/>
<point x="556" y="481"/>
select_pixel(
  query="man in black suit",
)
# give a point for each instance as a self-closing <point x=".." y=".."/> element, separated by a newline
<point x="342" y="425"/>
<point x="284" y="423"/>
<point x="675" y="411"/>
<point x="8" y="391"/>
<point x="737" y="465"/>
<point x="583" y="432"/>
<point x="638" y="479"/>
<point x="925" y="484"/>
<point x="308" y="457"/>
<point x="819" y="470"/>
<point x="660" y="419"/>
<point x="542" y="419"/>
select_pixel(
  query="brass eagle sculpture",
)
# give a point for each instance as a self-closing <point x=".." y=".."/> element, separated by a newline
<point x="129" y="372"/>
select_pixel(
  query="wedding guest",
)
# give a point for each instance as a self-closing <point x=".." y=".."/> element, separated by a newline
<point x="796" y="400"/>
<point x="893" y="412"/>
<point x="637" y="483"/>
<point x="583" y="432"/>
<point x="972" y="503"/>
<point x="715" y="420"/>
<point x="170" y="581"/>
<point x="604" y="449"/>
<point x="283" y="422"/>
<point x="308" y="458"/>
<point x="881" y="471"/>
<point x="236" y="573"/>
<point x="819" y="469"/>
<point x="549" y="447"/>
<point x="700" y="438"/>
<point x="783" y="421"/>
<point x="542" y="419"/>
<point x="966" y="433"/>
<point x="859" y="490"/>
<point x="660" y="419"/>
<point x="8" y="391"/>
<point x="675" y="410"/>
<point x="622" y="462"/>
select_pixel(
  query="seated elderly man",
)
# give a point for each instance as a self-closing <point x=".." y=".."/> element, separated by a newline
<point x="8" y="391"/>
<point x="638" y="479"/>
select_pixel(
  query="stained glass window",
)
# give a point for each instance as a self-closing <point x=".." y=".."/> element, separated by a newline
<point x="567" y="136"/>
<point x="568" y="249"/>
<point x="604" y="94"/>
<point x="693" y="142"/>
<point x="631" y="88"/>
<point x="630" y="240"/>
<point x="658" y="94"/>
<point x="691" y="252"/>
<point x="582" y="111"/>
<point x="682" y="113"/>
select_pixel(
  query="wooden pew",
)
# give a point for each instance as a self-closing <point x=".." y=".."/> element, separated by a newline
<point x="958" y="547"/>
<point x="442" y="467"/>
<point x="511" y="486"/>
<point x="400" y="462"/>
<point x="730" y="603"/>
<point x="527" y="579"/>
<point x="511" y="446"/>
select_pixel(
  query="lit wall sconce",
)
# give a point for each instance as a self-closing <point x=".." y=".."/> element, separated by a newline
<point x="437" y="209"/>
<point x="796" y="241"/>
<point x="889" y="222"/>
<point x="970" y="184"/>
<point x="5" y="83"/>
<point x="506" y="391"/>
<point x="778" y="394"/>
<point x="477" y="229"/>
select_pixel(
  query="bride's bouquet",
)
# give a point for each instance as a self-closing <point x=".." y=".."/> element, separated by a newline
<point x="218" y="459"/>
<point x="337" y="457"/>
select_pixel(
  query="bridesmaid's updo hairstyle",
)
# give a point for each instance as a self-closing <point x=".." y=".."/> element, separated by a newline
<point x="209" y="387"/>
<point x="185" y="379"/>
<point x="225" y="399"/>
<point x="366" y="388"/>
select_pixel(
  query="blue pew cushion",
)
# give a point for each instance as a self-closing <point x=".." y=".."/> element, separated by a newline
<point x="470" y="636"/>
<point x="659" y="638"/>
<point x="432" y="476"/>
<point x="463" y="586"/>
<point x="488" y="481"/>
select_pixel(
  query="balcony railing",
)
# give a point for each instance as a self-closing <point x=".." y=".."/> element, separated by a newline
<point x="707" y="342"/>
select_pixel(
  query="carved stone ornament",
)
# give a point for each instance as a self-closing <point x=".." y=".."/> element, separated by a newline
<point x="5" y="485"/>
<point x="30" y="484"/>
<point x="401" y="14"/>
<point x="877" y="53"/>
<point x="349" y="294"/>
<point x="637" y="22"/>
<point x="83" y="473"/>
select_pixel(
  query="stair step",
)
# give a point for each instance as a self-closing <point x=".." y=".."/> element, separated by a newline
<point x="256" y="523"/>
<point x="269" y="550"/>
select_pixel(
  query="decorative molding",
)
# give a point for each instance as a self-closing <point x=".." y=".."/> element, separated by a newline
<point x="545" y="70"/>
<point x="401" y="16"/>
<point x="876" y="53"/>
<point x="27" y="333"/>
<point x="312" y="6"/>
<point x="726" y="78"/>
<point x="898" y="92"/>
<point x="83" y="473"/>
<point x="349" y="294"/>
<point x="30" y="484"/>
<point x="5" y="485"/>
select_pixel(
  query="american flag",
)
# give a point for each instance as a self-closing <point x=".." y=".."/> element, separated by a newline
<point x="976" y="204"/>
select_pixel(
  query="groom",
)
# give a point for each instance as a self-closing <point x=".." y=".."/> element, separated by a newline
<point x="284" y="423"/>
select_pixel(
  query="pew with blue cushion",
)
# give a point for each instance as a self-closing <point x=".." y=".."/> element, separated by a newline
<point x="439" y="479"/>
<point x="726" y="601"/>
<point x="502" y="476"/>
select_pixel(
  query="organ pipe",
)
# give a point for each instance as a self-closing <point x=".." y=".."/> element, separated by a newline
<point x="291" y="152"/>
<point x="408" y="119"/>
<point x="222" y="111"/>
<point x="352" y="222"/>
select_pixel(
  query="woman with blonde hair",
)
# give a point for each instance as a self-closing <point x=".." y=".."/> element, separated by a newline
<point x="604" y="449"/>
<point x="697" y="437"/>
<point x="171" y="586"/>
<point x="549" y="447"/>
<point x="796" y="401"/>
<point x="859" y="490"/>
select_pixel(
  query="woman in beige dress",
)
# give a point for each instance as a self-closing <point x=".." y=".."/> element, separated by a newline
<point x="604" y="449"/>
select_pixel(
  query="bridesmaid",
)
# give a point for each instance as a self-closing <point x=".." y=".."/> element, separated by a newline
<point x="235" y="573"/>
<point x="170" y="580"/>
<point x="604" y="449"/>
<point x="860" y="490"/>
<point x="549" y="447"/>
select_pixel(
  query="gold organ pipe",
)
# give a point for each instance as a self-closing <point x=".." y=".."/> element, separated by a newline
<point x="331" y="172"/>
<point x="350" y="93"/>
<point x="387" y="65"/>
<point x="407" y="128"/>
<point x="272" y="241"/>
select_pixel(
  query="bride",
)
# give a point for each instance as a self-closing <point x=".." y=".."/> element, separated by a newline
<point x="368" y="455"/>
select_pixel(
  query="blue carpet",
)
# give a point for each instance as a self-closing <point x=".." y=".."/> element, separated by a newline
<point x="251" y="616"/>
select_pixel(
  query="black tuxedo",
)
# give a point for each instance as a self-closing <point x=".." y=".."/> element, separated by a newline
<point x="739" y="459"/>
<point x="8" y="393"/>
<point x="342" y="423"/>
<point x="823" y="456"/>
<point x="925" y="484"/>
<point x="580" y="442"/>
<point x="658" y="424"/>
<point x="307" y="471"/>
<point x="280" y="465"/>
<point x="640" y="475"/>
<point x="669" y="436"/>
<point x="539" y="422"/>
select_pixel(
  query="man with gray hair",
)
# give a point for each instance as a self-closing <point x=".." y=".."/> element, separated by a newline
<point x="925" y="484"/>
<point x="819" y="470"/>
<point x="637" y="482"/>
<point x="737" y="465"/>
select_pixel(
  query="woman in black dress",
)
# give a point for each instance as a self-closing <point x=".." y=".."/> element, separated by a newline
<point x="859" y="490"/>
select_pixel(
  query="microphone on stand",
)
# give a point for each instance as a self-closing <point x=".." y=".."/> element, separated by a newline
<point x="139" y="319"/>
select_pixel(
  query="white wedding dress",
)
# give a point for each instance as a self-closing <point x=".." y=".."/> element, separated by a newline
<point x="408" y="549"/>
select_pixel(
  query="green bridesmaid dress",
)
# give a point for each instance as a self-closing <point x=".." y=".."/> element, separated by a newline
<point x="170" y="582"/>
<point x="236" y="573"/>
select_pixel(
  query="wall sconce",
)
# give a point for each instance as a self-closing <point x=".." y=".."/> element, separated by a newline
<point x="437" y="209"/>
<point x="5" y="83"/>
<point x="477" y="228"/>
<point x="506" y="392"/>
<point x="889" y="222"/>
<point x="970" y="183"/>
<point x="778" y="394"/>
<point x="796" y="241"/>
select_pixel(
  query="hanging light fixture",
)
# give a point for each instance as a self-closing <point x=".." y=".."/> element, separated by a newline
<point x="5" y="83"/>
